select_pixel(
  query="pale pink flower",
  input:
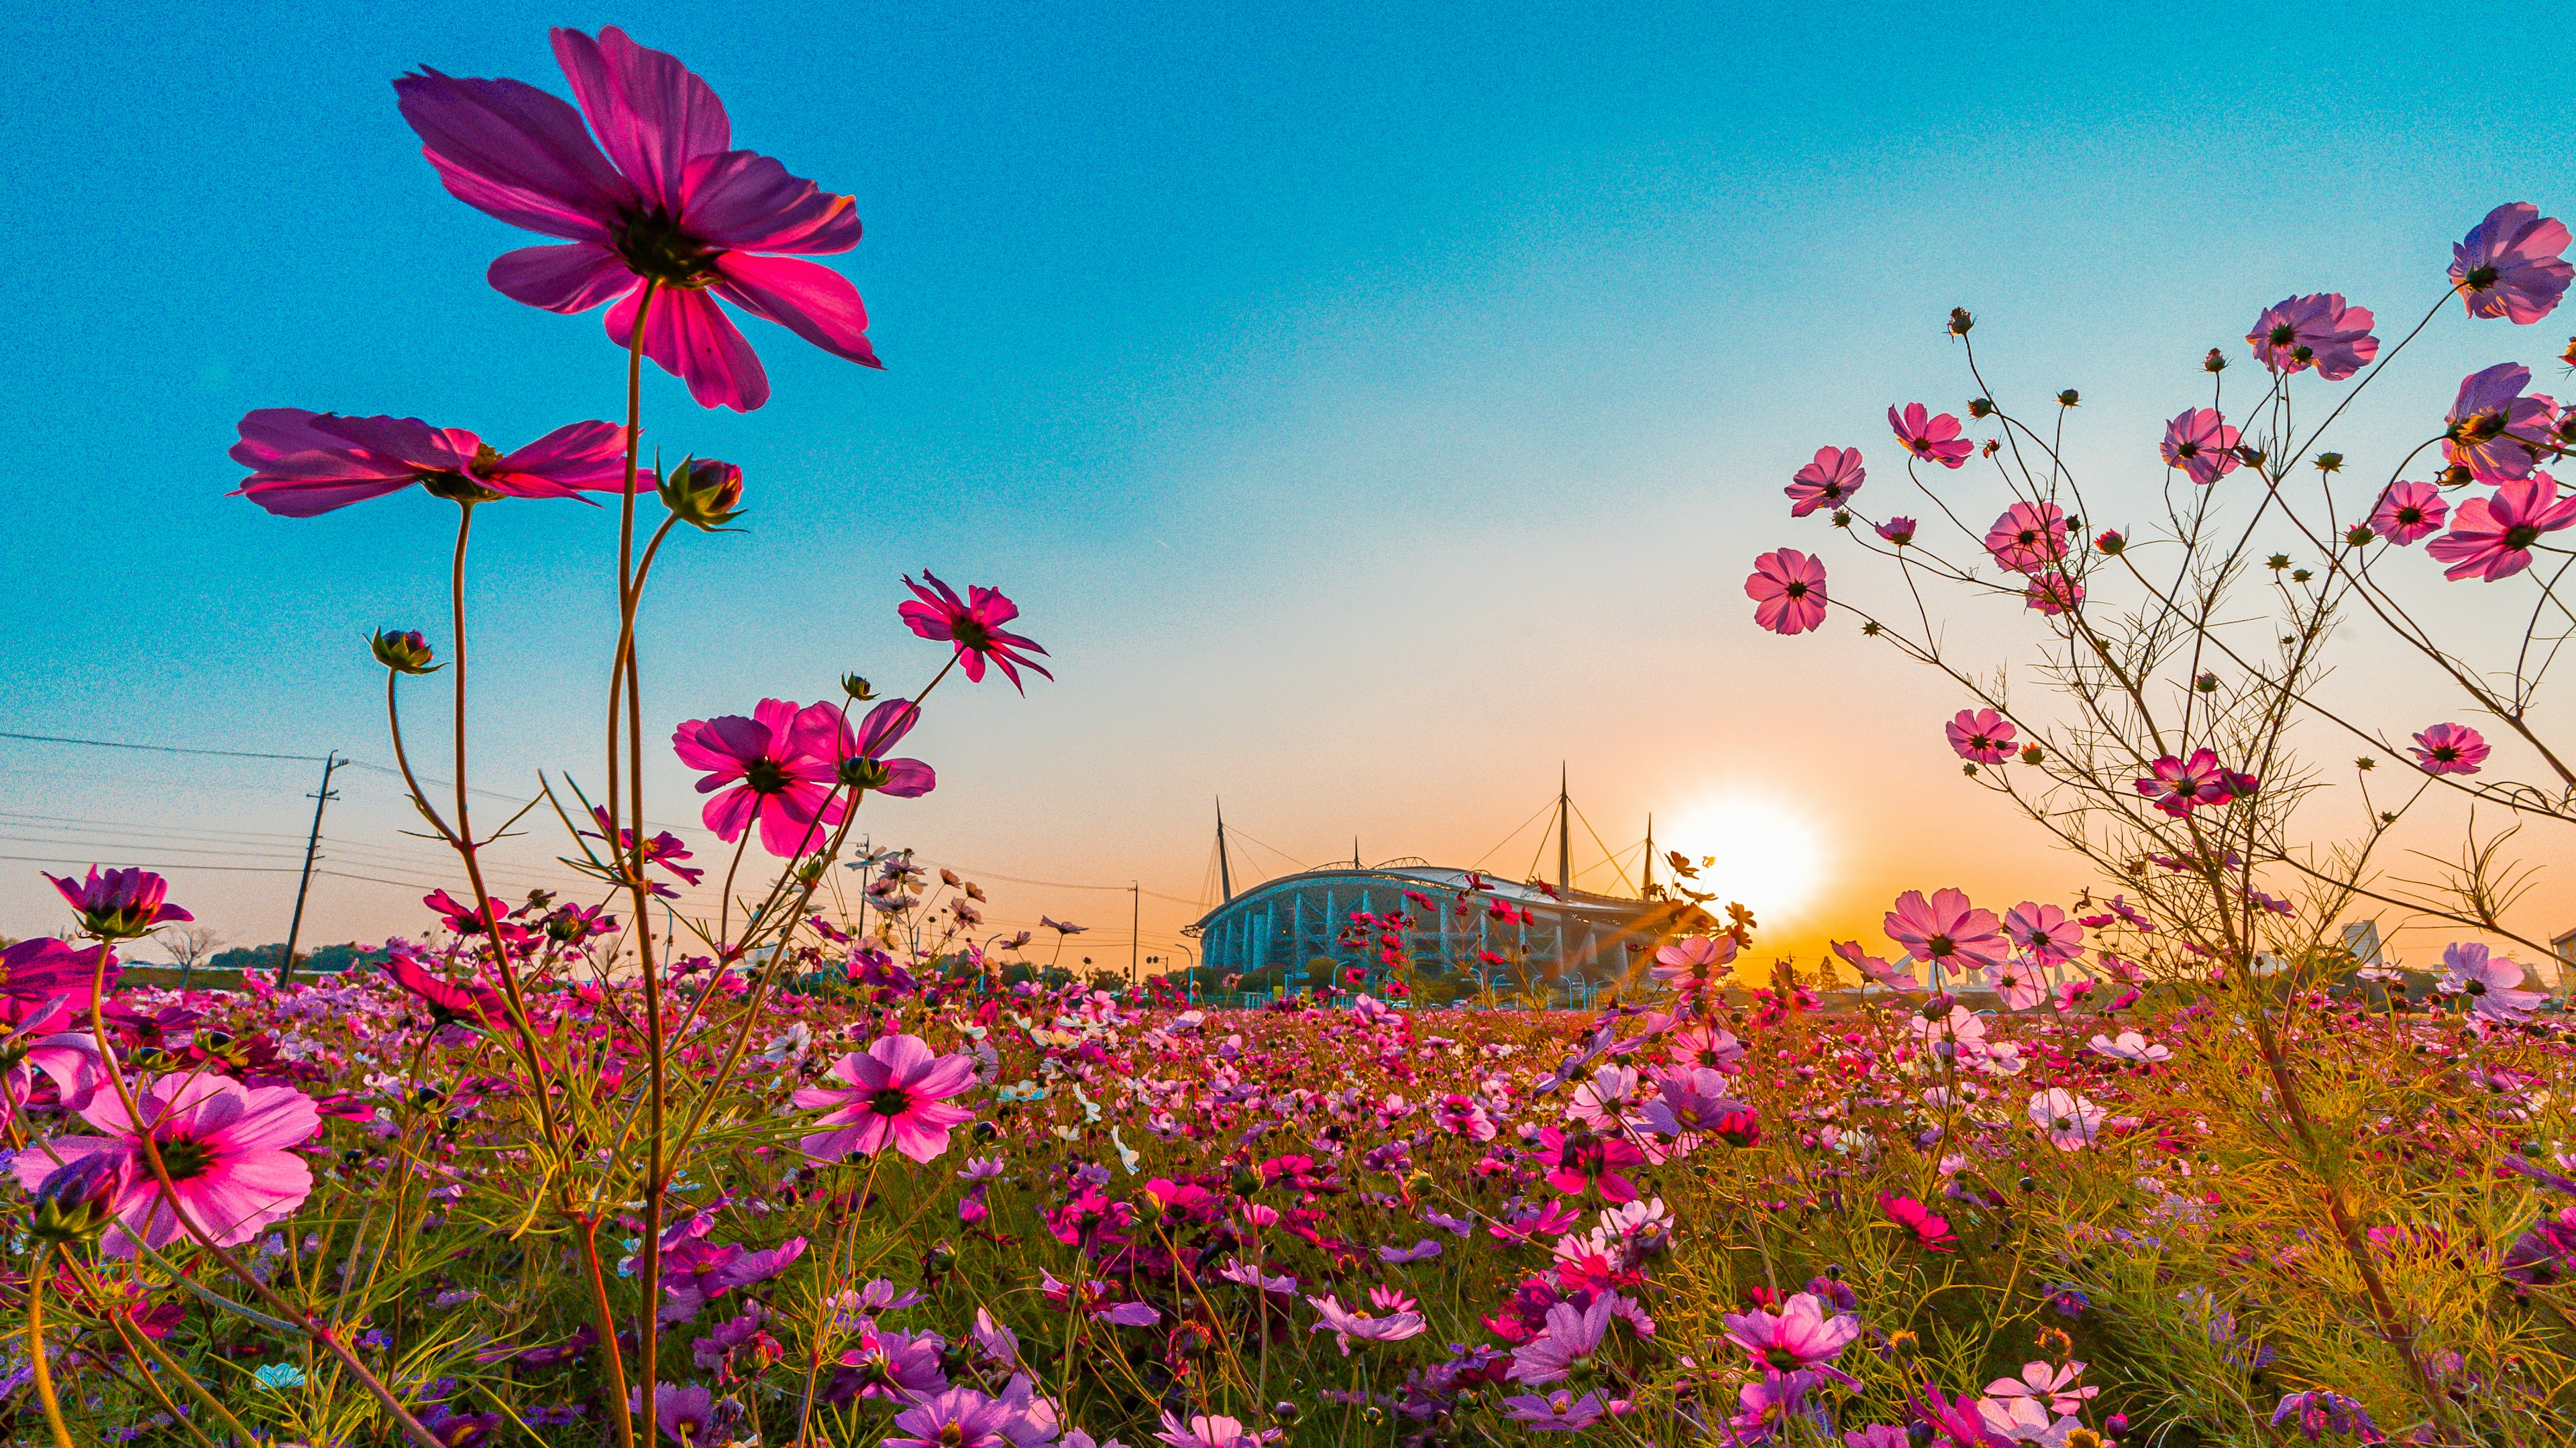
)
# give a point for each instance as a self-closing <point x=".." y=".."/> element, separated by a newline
<point x="1828" y="482"/>
<point x="2491" y="538"/>
<point x="2028" y="537"/>
<point x="2495" y="429"/>
<point x="1694" y="961"/>
<point x="225" y="1147"/>
<point x="2493" y="984"/>
<point x="1344" y="1324"/>
<point x="1945" y="930"/>
<point x="2408" y="512"/>
<point x="897" y="1096"/>
<point x="1893" y="977"/>
<point x="2068" y="1121"/>
<point x="2200" y="442"/>
<point x="2016" y="985"/>
<point x="2051" y="1386"/>
<point x="2512" y="264"/>
<point x="2450" y="749"/>
<point x="1984" y="736"/>
<point x="2131" y="1047"/>
<point x="2317" y="331"/>
<point x="2053" y="594"/>
<point x="1788" y="590"/>
<point x="2044" y="933"/>
<point x="1934" y="439"/>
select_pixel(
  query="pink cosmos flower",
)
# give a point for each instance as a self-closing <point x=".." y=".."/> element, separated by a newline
<point x="2028" y="537"/>
<point x="2496" y="431"/>
<point x="467" y="1002"/>
<point x="2016" y="985"/>
<point x="1208" y="1431"/>
<point x="2409" y="511"/>
<point x="224" y="1144"/>
<point x="2317" y="331"/>
<point x="1828" y="482"/>
<point x="1899" y="531"/>
<point x="46" y="985"/>
<point x="957" y="1418"/>
<point x="2068" y="1121"/>
<point x="120" y="904"/>
<point x="2492" y="984"/>
<point x="2200" y="442"/>
<point x="1584" y="1161"/>
<point x="1945" y="930"/>
<point x="974" y="625"/>
<point x="1345" y="1324"/>
<point x="884" y="728"/>
<point x="2179" y="786"/>
<point x="1893" y="977"/>
<point x="1788" y="590"/>
<point x="304" y="464"/>
<point x="896" y="1097"/>
<point x="1935" y="439"/>
<point x="2132" y="1047"/>
<point x="664" y="848"/>
<point x="2044" y="933"/>
<point x="2491" y="538"/>
<point x="777" y="767"/>
<point x="2513" y="264"/>
<point x="671" y="203"/>
<point x="1932" y="1231"/>
<point x="1984" y="736"/>
<point x="2450" y="749"/>
<point x="1694" y="961"/>
<point x="1800" y="1335"/>
<point x="2053" y="594"/>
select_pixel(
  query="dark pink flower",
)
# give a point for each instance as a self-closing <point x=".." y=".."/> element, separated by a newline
<point x="2495" y="431"/>
<point x="779" y="767"/>
<point x="1935" y="439"/>
<point x="2409" y="511"/>
<point x="2179" y="786"/>
<point x="2044" y="933"/>
<point x="2028" y="537"/>
<point x="2317" y="331"/>
<point x="1984" y="736"/>
<point x="120" y="904"/>
<point x="974" y="625"/>
<point x="304" y="464"/>
<point x="1946" y="929"/>
<point x="2200" y="442"/>
<point x="670" y="202"/>
<point x="1932" y="1231"/>
<point x="461" y="1001"/>
<point x="2513" y="264"/>
<point x="226" y="1147"/>
<point x="2450" y="749"/>
<point x="884" y="727"/>
<point x="664" y="848"/>
<point x="1788" y="590"/>
<point x="1899" y="531"/>
<point x="1828" y="482"/>
<point x="2491" y="538"/>
<point x="897" y="1096"/>
<point x="45" y="985"/>
<point x="2053" y="594"/>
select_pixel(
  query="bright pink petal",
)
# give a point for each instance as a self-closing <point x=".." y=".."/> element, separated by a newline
<point x="653" y="117"/>
<point x="807" y="298"/>
<point x="572" y="278"/>
<point x="691" y="338"/>
<point x="579" y="455"/>
<point x="730" y="813"/>
<point x="744" y="201"/>
<point x="514" y="152"/>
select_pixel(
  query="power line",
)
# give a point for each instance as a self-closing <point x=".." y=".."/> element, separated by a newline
<point x="156" y="748"/>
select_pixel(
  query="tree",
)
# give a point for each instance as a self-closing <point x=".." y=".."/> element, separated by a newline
<point x="190" y="946"/>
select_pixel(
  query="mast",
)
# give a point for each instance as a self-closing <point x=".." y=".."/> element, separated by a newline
<point x="1564" y="834"/>
<point x="1647" y="890"/>
<point x="1224" y="868"/>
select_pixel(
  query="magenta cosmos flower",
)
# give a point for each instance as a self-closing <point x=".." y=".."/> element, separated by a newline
<point x="304" y="464"/>
<point x="2513" y="264"/>
<point x="1984" y="736"/>
<point x="120" y="904"/>
<point x="670" y="203"/>
<point x="2491" y="538"/>
<point x="1935" y="439"/>
<point x="1899" y="531"/>
<point x="2494" y="430"/>
<point x="2028" y="537"/>
<point x="777" y="767"/>
<point x="2052" y="594"/>
<point x="974" y="625"/>
<point x="2317" y="331"/>
<point x="1828" y="482"/>
<point x="897" y="1096"/>
<point x="45" y="985"/>
<point x="1945" y="929"/>
<point x="2450" y="749"/>
<point x="225" y="1145"/>
<point x="2044" y="933"/>
<point x="1788" y="591"/>
<point x="1800" y="1335"/>
<point x="2408" y="512"/>
<point x="885" y="727"/>
<point x="2178" y="786"/>
<point x="2200" y="442"/>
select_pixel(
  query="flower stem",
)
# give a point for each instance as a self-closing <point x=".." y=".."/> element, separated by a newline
<point x="36" y="1346"/>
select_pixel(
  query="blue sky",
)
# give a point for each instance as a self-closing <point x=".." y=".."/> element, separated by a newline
<point x="1370" y="405"/>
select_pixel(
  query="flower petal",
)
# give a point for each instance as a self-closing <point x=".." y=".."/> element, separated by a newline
<point x="578" y="455"/>
<point x="573" y="278"/>
<point x="652" y="115"/>
<point x="512" y="151"/>
<point x="745" y="201"/>
<point x="691" y="338"/>
<point x="809" y="299"/>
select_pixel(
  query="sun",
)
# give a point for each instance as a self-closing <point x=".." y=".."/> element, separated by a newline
<point x="1757" y="849"/>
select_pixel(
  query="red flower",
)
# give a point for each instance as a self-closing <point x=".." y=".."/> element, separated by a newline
<point x="1929" y="1229"/>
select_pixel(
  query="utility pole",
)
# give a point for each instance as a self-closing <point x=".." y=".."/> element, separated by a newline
<point x="1135" y="926"/>
<point x="1224" y="869"/>
<point x="312" y="846"/>
<point x="1564" y="834"/>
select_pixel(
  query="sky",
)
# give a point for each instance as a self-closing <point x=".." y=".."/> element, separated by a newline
<point x="1373" y="408"/>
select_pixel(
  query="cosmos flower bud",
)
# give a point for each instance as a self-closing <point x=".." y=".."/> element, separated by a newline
<point x="861" y="772"/>
<point x="705" y="494"/>
<point x="2111" y="542"/>
<point x="858" y="688"/>
<point x="73" y="1204"/>
<point x="1960" y="321"/>
<point x="2329" y="462"/>
<point x="404" y="651"/>
<point x="2359" y="535"/>
<point x="2216" y="361"/>
<point x="1980" y="407"/>
<point x="2066" y="398"/>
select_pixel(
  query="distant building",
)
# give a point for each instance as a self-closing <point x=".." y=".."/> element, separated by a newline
<point x="2563" y="947"/>
<point x="2361" y="937"/>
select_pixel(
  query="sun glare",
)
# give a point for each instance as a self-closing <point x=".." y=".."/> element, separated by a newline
<point x="1757" y="850"/>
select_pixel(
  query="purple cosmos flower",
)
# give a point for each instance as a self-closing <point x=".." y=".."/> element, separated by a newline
<point x="897" y="1367"/>
<point x="957" y="1418"/>
<point x="2545" y="1254"/>
<point x="1558" y="1412"/>
<point x="1766" y="1407"/>
<point x="2317" y="1413"/>
<point x="1571" y="1335"/>
<point x="2450" y="749"/>
<point x="120" y="904"/>
<point x="2408" y="512"/>
<point x="2491" y="538"/>
<point x="304" y="464"/>
<point x="1344" y="1324"/>
<point x="670" y="203"/>
<point x="2494" y="430"/>
<point x="1828" y="482"/>
<point x="1422" y="1251"/>
<point x="974" y="625"/>
<point x="2492" y="984"/>
<point x="2200" y="442"/>
<point x="1694" y="1100"/>
<point x="1899" y="531"/>
<point x="2317" y="331"/>
<point x="2513" y="264"/>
